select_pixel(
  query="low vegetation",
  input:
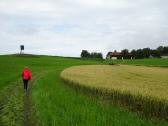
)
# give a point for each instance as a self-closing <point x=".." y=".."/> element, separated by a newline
<point x="141" y="88"/>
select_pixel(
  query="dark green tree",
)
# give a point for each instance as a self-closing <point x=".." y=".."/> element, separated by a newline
<point x="134" y="53"/>
<point x="139" y="54"/>
<point x="155" y="53"/>
<point x="146" y="52"/>
<point x="165" y="50"/>
<point x="160" y="49"/>
<point x="85" y="54"/>
<point x="96" y="55"/>
<point x="100" y="55"/>
<point x="125" y="53"/>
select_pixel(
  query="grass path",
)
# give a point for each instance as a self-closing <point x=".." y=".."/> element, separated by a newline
<point x="30" y="118"/>
<point x="16" y="107"/>
<point x="27" y="108"/>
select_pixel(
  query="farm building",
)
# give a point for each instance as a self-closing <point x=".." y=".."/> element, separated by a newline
<point x="114" y="55"/>
<point x="118" y="55"/>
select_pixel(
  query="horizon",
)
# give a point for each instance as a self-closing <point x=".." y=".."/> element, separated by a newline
<point x="104" y="55"/>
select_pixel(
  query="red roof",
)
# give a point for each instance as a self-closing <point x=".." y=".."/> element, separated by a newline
<point x="115" y="53"/>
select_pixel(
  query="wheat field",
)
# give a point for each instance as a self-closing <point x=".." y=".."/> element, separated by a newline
<point x="148" y="86"/>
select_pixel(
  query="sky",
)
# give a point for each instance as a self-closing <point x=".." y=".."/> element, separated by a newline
<point x="66" y="27"/>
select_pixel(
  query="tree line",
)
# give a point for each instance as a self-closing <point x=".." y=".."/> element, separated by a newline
<point x="86" y="54"/>
<point x="135" y="53"/>
<point x="146" y="52"/>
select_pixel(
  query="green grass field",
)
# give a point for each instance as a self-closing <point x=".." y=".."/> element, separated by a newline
<point x="52" y="102"/>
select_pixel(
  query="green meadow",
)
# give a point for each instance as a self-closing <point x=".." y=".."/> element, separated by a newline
<point x="51" y="102"/>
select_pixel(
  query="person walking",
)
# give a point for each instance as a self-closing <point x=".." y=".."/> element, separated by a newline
<point x="26" y="76"/>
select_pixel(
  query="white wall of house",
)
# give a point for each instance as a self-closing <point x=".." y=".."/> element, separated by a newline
<point x="114" y="58"/>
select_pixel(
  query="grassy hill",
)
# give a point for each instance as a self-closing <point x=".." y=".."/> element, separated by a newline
<point x="50" y="102"/>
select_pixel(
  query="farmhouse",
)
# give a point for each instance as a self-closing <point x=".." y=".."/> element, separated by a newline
<point x="118" y="55"/>
<point x="114" y="55"/>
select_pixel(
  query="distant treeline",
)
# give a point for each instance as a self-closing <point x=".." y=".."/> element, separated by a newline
<point x="147" y="52"/>
<point x="135" y="53"/>
<point x="86" y="54"/>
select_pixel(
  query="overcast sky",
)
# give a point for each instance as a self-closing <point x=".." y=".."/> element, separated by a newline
<point x="65" y="27"/>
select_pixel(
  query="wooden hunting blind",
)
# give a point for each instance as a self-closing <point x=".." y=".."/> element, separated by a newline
<point x="21" y="49"/>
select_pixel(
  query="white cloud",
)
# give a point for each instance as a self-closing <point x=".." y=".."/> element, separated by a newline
<point x="66" y="27"/>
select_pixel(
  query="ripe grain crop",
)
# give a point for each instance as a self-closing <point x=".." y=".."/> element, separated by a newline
<point x="138" y="87"/>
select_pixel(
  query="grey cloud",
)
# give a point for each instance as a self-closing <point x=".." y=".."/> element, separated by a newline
<point x="66" y="27"/>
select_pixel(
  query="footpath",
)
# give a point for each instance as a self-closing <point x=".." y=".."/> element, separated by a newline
<point x="16" y="107"/>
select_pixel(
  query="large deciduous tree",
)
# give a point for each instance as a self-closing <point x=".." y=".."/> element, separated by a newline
<point x="125" y="53"/>
<point x="85" y="54"/>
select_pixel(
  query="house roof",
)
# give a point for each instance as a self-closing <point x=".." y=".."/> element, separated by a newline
<point x="115" y="53"/>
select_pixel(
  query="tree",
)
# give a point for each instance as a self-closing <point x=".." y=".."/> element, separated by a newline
<point x="134" y="53"/>
<point x="139" y="54"/>
<point x="160" y="49"/>
<point x="125" y="53"/>
<point x="165" y="50"/>
<point x="96" y="55"/>
<point x="100" y="55"/>
<point x="85" y="54"/>
<point x="155" y="53"/>
<point x="146" y="52"/>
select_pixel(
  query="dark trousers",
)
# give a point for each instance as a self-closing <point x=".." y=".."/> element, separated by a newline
<point x="25" y="84"/>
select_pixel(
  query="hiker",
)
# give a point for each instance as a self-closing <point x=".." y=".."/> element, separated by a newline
<point x="26" y="76"/>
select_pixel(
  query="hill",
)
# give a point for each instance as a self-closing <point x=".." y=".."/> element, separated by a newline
<point x="50" y="101"/>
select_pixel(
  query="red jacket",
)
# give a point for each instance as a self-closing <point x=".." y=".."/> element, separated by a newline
<point x="26" y="74"/>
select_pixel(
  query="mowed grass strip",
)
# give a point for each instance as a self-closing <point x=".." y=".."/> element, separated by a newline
<point x="141" y="88"/>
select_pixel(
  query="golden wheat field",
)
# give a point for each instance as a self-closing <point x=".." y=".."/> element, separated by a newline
<point x="146" y="81"/>
<point x="141" y="89"/>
